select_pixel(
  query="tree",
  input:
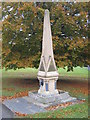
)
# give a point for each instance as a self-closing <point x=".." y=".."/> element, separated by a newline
<point x="23" y="27"/>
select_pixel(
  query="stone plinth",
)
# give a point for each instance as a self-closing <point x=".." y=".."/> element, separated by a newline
<point x="48" y="87"/>
<point x="51" y="99"/>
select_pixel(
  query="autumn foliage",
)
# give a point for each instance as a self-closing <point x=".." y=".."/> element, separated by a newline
<point x="22" y="33"/>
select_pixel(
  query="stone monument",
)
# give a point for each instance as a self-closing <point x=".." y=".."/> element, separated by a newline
<point x="47" y="73"/>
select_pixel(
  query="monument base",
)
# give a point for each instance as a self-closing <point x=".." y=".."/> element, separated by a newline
<point x="50" y="99"/>
<point x="36" y="103"/>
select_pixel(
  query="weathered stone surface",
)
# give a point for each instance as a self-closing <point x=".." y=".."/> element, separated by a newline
<point x="21" y="105"/>
<point x="5" y="112"/>
<point x="47" y="100"/>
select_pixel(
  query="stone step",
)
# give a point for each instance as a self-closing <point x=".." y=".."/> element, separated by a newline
<point x="23" y="106"/>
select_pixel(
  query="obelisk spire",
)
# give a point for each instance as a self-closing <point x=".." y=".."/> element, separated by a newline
<point x="47" y="63"/>
<point x="47" y="49"/>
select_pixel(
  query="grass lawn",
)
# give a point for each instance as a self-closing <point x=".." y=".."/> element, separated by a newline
<point x="77" y="72"/>
<point x="15" y="83"/>
<point x="76" y="111"/>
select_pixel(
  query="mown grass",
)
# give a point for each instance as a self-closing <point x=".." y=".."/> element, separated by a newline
<point x="75" y="111"/>
<point x="77" y="72"/>
<point x="18" y="85"/>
